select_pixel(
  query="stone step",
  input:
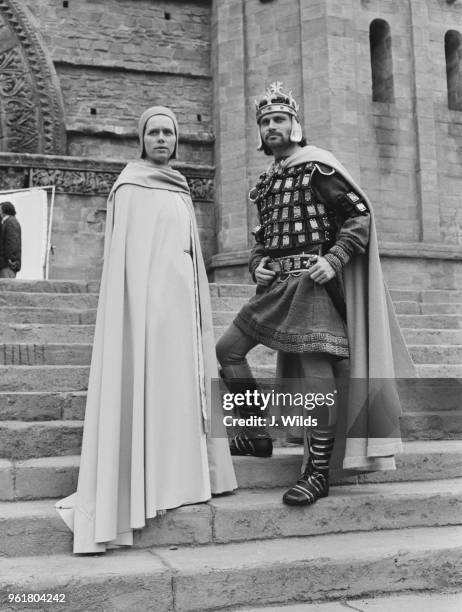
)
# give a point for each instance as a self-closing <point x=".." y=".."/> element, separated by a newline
<point x="429" y="394"/>
<point x="24" y="440"/>
<point x="427" y="321"/>
<point x="421" y="354"/>
<point x="429" y="295"/>
<point x="226" y="304"/>
<point x="43" y="378"/>
<point x="423" y="370"/>
<point x="424" y="601"/>
<point x="16" y="306"/>
<point x="205" y="578"/>
<point x="417" y="336"/>
<point x="430" y="337"/>
<point x="436" y="353"/>
<point x="38" y="333"/>
<point x="34" y="528"/>
<point x="441" y="295"/>
<point x="29" y="439"/>
<point x="420" y="395"/>
<point x="398" y="295"/>
<point x="232" y="290"/>
<point x="48" y="300"/>
<point x="45" y="354"/>
<point x="49" y="286"/>
<point x="68" y="316"/>
<point x="216" y="289"/>
<point x="64" y="316"/>
<point x="446" y="425"/>
<point x="42" y="406"/>
<point x="57" y="378"/>
<point x="439" y="371"/>
<point x="424" y="308"/>
<point x="439" y="308"/>
<point x="56" y="476"/>
<point x="80" y="354"/>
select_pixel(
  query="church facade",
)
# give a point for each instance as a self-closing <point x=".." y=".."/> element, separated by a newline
<point x="379" y="83"/>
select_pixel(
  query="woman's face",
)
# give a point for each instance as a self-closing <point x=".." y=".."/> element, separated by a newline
<point x="159" y="139"/>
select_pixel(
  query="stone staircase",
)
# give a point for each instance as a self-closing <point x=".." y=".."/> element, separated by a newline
<point x="397" y="532"/>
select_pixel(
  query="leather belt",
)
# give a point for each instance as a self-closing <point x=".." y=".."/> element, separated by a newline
<point x="291" y="264"/>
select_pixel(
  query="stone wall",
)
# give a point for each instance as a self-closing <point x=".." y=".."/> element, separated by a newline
<point x="82" y="187"/>
<point x="105" y="62"/>
<point x="405" y="152"/>
<point x="208" y="61"/>
<point x="115" y="58"/>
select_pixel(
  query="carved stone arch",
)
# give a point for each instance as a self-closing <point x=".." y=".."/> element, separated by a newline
<point x="31" y="107"/>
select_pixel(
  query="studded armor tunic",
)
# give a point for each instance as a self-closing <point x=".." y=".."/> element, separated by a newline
<point x="308" y="208"/>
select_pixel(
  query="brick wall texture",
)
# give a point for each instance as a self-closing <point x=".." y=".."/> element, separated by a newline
<point x="208" y="60"/>
<point x="115" y="58"/>
<point x="406" y="154"/>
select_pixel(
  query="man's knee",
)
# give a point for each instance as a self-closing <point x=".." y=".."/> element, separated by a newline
<point x="233" y="346"/>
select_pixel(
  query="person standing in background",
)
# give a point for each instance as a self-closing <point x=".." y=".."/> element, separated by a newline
<point x="10" y="241"/>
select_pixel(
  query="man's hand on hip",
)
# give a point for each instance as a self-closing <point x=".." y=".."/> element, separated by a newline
<point x="321" y="271"/>
<point x="263" y="276"/>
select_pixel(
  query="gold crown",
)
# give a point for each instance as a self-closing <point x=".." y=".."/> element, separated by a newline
<point x="276" y="99"/>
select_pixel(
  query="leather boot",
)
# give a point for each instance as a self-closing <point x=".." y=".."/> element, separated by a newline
<point x="314" y="481"/>
<point x="254" y="441"/>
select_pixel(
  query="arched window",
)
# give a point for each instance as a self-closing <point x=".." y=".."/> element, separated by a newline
<point x="381" y="61"/>
<point x="453" y="52"/>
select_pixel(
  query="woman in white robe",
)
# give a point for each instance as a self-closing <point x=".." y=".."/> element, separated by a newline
<point x="145" y="445"/>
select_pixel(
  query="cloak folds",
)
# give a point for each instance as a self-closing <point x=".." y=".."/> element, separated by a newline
<point x="145" y="447"/>
<point x="368" y="433"/>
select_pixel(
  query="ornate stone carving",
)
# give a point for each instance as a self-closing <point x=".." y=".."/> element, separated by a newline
<point x="31" y="108"/>
<point x="100" y="183"/>
<point x="14" y="178"/>
<point x="83" y="176"/>
<point x="201" y="188"/>
<point x="74" y="181"/>
<point x="17" y="104"/>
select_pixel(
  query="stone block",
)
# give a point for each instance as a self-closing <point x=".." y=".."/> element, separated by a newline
<point x="46" y="477"/>
<point x="186" y="525"/>
<point x="443" y="425"/>
<point x="23" y="440"/>
<point x="317" y="568"/>
<point x="6" y="480"/>
<point x="43" y="378"/>
<point x="93" y="582"/>
<point x="32" y="528"/>
<point x="252" y="515"/>
<point x="40" y="315"/>
<point x="30" y="406"/>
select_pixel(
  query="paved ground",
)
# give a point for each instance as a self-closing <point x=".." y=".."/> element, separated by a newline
<point x="423" y="602"/>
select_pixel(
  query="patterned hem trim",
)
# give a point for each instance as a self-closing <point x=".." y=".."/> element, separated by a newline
<point x="314" y="342"/>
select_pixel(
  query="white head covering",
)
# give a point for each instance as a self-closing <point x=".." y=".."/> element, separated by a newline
<point x="152" y="112"/>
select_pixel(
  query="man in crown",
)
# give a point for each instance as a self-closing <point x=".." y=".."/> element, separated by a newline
<point x="320" y="302"/>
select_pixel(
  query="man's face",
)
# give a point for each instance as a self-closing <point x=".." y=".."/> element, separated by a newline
<point x="159" y="139"/>
<point x="275" y="129"/>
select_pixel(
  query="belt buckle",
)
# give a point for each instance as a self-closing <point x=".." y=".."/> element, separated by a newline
<point x="309" y="261"/>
